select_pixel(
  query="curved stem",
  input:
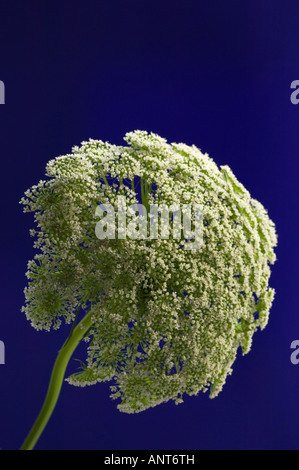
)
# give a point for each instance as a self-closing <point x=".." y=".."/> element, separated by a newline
<point x="56" y="381"/>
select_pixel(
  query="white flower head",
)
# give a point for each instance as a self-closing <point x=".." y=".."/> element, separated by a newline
<point x="168" y="321"/>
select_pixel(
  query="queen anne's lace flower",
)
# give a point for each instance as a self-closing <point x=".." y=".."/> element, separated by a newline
<point x="166" y="321"/>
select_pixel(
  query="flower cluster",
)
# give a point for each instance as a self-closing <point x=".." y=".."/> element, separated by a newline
<point x="167" y="322"/>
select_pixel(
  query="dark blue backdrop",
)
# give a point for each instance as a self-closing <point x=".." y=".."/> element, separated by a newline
<point x="211" y="73"/>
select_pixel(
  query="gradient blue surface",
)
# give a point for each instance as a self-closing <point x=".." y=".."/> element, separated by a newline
<point x="215" y="74"/>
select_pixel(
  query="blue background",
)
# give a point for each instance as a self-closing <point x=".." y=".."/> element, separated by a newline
<point x="211" y="73"/>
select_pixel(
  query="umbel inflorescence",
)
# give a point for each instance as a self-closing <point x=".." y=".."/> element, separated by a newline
<point x="166" y="321"/>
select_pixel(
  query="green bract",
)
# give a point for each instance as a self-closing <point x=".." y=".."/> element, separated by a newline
<point x="166" y="321"/>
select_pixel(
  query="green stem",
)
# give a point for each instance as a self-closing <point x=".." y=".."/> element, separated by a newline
<point x="56" y="381"/>
<point x="142" y="192"/>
